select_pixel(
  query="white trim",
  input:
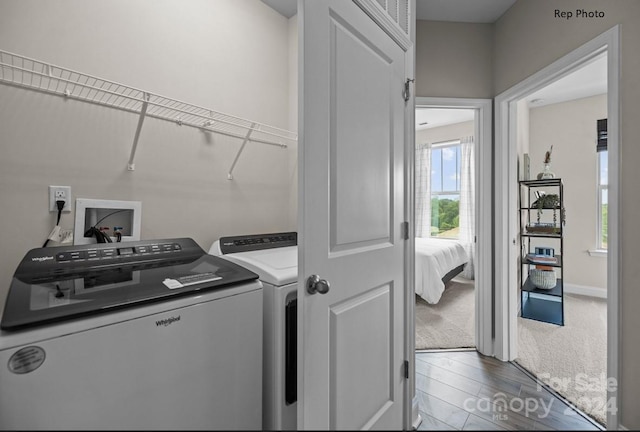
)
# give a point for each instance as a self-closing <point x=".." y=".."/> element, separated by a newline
<point x="600" y="253"/>
<point x="583" y="290"/>
<point x="506" y="203"/>
<point x="483" y="274"/>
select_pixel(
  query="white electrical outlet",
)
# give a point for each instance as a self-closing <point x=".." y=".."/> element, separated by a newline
<point x="60" y="193"/>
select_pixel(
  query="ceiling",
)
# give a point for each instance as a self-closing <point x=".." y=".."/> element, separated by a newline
<point x="288" y="8"/>
<point x="476" y="11"/>
<point x="589" y="80"/>
<point x="435" y="117"/>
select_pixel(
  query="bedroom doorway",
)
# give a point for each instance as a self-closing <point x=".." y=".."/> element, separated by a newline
<point x="571" y="115"/>
<point x="452" y="224"/>
<point x="507" y="253"/>
<point x="566" y="120"/>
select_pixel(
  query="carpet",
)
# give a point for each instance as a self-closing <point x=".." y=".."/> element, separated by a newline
<point x="572" y="359"/>
<point x="450" y="322"/>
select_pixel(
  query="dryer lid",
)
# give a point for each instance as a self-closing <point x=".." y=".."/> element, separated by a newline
<point x="278" y="266"/>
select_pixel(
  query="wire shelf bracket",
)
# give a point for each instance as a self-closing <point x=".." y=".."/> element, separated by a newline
<point x="143" y="112"/>
<point x="235" y="161"/>
<point x="36" y="75"/>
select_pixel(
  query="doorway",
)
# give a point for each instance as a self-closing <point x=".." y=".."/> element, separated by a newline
<point x="468" y="117"/>
<point x="556" y="119"/>
<point x="506" y="194"/>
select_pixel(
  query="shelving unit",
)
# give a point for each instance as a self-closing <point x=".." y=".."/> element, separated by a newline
<point x="540" y="304"/>
<point x="36" y="75"/>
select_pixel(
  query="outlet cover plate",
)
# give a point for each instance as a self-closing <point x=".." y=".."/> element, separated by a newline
<point x="60" y="192"/>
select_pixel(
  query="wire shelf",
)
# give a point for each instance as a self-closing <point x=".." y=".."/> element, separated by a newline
<point x="33" y="74"/>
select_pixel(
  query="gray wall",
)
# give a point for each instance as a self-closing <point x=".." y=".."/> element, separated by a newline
<point x="528" y="38"/>
<point x="226" y="55"/>
<point x="454" y="59"/>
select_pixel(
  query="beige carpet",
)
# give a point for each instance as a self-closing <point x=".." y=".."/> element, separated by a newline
<point x="450" y="322"/>
<point x="571" y="359"/>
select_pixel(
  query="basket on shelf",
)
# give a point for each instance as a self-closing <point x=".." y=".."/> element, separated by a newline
<point x="543" y="279"/>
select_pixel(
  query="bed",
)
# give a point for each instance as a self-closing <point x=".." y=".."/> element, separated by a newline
<point x="437" y="262"/>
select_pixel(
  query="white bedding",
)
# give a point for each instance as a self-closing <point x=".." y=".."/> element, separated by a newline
<point x="435" y="258"/>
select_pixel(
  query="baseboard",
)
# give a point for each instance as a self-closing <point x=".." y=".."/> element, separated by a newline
<point x="431" y="350"/>
<point x="585" y="290"/>
<point x="623" y="428"/>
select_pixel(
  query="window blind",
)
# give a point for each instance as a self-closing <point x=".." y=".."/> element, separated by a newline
<point x="601" y="144"/>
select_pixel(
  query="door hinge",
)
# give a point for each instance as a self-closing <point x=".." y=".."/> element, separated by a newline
<point x="404" y="230"/>
<point x="406" y="93"/>
<point x="406" y="369"/>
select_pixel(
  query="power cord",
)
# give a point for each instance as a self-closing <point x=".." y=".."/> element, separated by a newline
<point x="60" y="205"/>
<point x="100" y="236"/>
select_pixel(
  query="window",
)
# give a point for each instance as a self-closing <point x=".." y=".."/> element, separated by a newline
<point x="603" y="202"/>
<point x="445" y="189"/>
<point x="603" y="183"/>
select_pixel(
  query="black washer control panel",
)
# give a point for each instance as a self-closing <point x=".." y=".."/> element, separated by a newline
<point x="117" y="252"/>
<point x="70" y="258"/>
<point x="245" y="243"/>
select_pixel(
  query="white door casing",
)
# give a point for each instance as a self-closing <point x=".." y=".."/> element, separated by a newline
<point x="484" y="233"/>
<point x="506" y="232"/>
<point x="352" y="206"/>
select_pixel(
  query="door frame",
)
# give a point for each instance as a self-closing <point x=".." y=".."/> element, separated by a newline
<point x="483" y="211"/>
<point x="506" y="232"/>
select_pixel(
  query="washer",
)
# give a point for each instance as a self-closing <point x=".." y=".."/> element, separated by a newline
<point x="274" y="257"/>
<point x="136" y="335"/>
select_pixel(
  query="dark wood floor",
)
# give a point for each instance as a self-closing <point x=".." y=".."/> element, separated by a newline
<point x="463" y="390"/>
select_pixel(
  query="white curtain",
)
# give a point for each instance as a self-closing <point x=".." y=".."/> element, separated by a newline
<point x="467" y="203"/>
<point x="423" y="190"/>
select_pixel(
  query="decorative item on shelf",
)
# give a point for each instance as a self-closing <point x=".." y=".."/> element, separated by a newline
<point x="545" y="250"/>
<point x="543" y="279"/>
<point x="547" y="201"/>
<point x="541" y="259"/>
<point x="543" y="228"/>
<point x="546" y="169"/>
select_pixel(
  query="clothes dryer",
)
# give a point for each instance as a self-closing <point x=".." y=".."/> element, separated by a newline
<point x="274" y="257"/>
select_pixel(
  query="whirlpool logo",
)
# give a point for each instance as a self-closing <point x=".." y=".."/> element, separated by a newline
<point x="168" y="321"/>
<point x="43" y="258"/>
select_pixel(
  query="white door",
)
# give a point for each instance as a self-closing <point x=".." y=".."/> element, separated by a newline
<point x="351" y="338"/>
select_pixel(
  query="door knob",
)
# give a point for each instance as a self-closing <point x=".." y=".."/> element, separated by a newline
<point x="317" y="285"/>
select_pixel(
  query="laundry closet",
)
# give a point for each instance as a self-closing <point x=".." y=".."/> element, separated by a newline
<point x="182" y="115"/>
<point x="228" y="60"/>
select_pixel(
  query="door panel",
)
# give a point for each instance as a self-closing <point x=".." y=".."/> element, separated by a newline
<point x="352" y="198"/>
<point x="351" y="320"/>
<point x="365" y="194"/>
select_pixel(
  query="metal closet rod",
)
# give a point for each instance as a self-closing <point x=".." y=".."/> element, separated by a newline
<point x="37" y="75"/>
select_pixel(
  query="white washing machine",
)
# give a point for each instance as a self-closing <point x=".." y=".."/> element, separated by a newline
<point x="138" y="335"/>
<point x="274" y="257"/>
